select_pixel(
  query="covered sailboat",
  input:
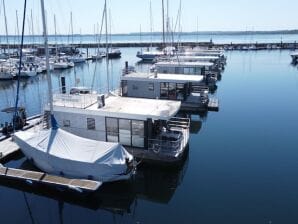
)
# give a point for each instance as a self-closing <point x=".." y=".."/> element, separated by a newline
<point x="58" y="152"/>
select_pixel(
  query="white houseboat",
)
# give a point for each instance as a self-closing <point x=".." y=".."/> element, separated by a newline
<point x="147" y="128"/>
<point x="206" y="69"/>
<point x="189" y="89"/>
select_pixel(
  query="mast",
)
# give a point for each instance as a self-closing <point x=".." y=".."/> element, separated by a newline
<point x="151" y="26"/>
<point x="71" y="27"/>
<point x="163" y="23"/>
<point x="55" y="35"/>
<point x="107" y="47"/>
<point x="47" y="57"/>
<point x="32" y="28"/>
<point x="6" y="29"/>
<point x="18" y="30"/>
<point x="19" y="69"/>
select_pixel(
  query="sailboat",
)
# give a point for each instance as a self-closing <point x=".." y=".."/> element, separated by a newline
<point x="58" y="152"/>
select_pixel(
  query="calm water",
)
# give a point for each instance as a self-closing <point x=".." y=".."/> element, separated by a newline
<point x="216" y="38"/>
<point x="242" y="166"/>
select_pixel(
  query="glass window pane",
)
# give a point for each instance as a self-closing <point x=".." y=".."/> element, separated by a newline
<point x="125" y="132"/>
<point x="137" y="133"/>
<point x="112" y="129"/>
<point x="172" y="91"/>
<point x="90" y="123"/>
<point x="164" y="90"/>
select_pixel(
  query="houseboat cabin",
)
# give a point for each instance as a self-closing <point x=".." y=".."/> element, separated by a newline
<point x="206" y="69"/>
<point x="147" y="128"/>
<point x="189" y="89"/>
<point x="219" y="65"/>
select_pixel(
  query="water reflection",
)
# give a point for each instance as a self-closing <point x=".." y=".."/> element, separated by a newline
<point x="151" y="183"/>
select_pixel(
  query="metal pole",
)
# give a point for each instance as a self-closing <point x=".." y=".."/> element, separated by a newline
<point x="163" y="24"/>
<point x="45" y="35"/>
<point x="6" y="29"/>
<point x="107" y="48"/>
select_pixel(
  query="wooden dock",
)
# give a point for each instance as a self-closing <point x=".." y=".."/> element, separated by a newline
<point x="213" y="104"/>
<point x="7" y="148"/>
<point x="31" y="177"/>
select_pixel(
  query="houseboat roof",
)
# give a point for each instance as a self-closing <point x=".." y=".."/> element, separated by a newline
<point x="184" y="64"/>
<point x="201" y="57"/>
<point x="119" y="107"/>
<point x="159" y="77"/>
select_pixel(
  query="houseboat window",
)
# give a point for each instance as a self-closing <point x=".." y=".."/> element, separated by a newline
<point x="197" y="71"/>
<point x="90" y="123"/>
<point x="151" y="86"/>
<point x="180" y="91"/>
<point x="66" y="123"/>
<point x="137" y="128"/>
<point x="125" y="132"/>
<point x="124" y="88"/>
<point x="164" y="90"/>
<point x="112" y="129"/>
<point x="172" y="91"/>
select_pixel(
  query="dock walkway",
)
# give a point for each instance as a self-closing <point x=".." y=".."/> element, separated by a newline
<point x="213" y="104"/>
<point x="43" y="178"/>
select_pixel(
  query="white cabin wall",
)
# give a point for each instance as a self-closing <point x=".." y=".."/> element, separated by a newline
<point x="78" y="125"/>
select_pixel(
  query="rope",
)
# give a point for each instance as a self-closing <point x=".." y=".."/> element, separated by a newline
<point x="20" y="64"/>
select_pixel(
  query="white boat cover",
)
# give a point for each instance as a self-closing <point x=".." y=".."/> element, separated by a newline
<point x="59" y="152"/>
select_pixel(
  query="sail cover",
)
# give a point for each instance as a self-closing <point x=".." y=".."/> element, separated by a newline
<point x="60" y="152"/>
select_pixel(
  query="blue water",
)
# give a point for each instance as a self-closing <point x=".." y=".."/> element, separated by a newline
<point x="242" y="165"/>
<point x="136" y="38"/>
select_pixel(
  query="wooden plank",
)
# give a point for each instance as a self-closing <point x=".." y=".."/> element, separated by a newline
<point x="7" y="147"/>
<point x="40" y="177"/>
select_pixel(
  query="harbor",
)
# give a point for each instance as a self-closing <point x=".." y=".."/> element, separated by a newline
<point x="209" y="156"/>
<point x="155" y="127"/>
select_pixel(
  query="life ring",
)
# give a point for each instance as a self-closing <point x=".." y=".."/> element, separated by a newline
<point x="156" y="148"/>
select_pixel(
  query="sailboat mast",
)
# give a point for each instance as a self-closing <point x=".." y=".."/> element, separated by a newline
<point x="32" y="28"/>
<point x="45" y="34"/>
<point x="71" y="26"/>
<point x="55" y="35"/>
<point x="107" y="48"/>
<point x="6" y="29"/>
<point x="18" y="30"/>
<point x="151" y="26"/>
<point x="163" y="23"/>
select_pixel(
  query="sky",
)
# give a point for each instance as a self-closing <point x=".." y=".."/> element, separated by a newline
<point x="129" y="16"/>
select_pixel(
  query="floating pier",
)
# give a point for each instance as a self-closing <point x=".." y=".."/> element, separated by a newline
<point x="227" y="46"/>
<point x="213" y="104"/>
<point x="31" y="177"/>
<point x="7" y="148"/>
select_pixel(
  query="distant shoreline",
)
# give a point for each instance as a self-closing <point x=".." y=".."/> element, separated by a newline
<point x="232" y="33"/>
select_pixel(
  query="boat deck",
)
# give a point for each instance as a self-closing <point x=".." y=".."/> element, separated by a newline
<point x="43" y="178"/>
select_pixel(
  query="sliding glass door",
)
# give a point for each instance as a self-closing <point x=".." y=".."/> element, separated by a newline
<point x="126" y="132"/>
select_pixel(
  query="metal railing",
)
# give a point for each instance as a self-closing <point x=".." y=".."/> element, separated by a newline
<point x="160" y="146"/>
<point x="76" y="101"/>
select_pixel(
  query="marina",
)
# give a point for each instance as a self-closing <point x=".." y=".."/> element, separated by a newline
<point x="169" y="127"/>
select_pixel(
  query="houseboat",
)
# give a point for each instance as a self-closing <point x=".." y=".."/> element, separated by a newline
<point x="206" y="69"/>
<point x="218" y="63"/>
<point x="147" y="128"/>
<point x="294" y="56"/>
<point x="189" y="89"/>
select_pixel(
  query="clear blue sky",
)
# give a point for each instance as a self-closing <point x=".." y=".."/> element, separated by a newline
<point x="128" y="15"/>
